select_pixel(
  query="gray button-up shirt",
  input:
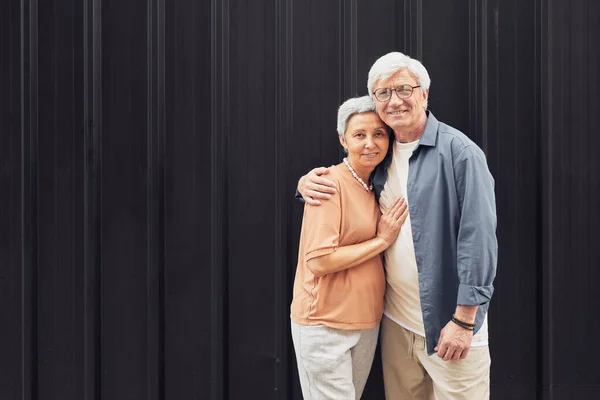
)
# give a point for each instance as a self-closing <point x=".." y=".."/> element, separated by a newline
<point x="453" y="218"/>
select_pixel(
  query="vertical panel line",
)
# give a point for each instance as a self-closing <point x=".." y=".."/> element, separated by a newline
<point x="473" y="67"/>
<point x="547" y="125"/>
<point x="538" y="90"/>
<point x="92" y="191"/>
<point x="220" y="91"/>
<point x="29" y="196"/>
<point x="353" y="50"/>
<point x="155" y="199"/>
<point x="413" y="28"/>
<point x="341" y="51"/>
<point x="484" y="75"/>
<point x="419" y="29"/>
<point x="161" y="141"/>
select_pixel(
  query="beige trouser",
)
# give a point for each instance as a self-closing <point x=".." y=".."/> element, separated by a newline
<point x="409" y="373"/>
<point x="333" y="364"/>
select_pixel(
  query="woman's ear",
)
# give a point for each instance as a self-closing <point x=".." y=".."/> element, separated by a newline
<point x="343" y="141"/>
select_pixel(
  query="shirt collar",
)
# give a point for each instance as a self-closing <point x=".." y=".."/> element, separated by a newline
<point x="429" y="136"/>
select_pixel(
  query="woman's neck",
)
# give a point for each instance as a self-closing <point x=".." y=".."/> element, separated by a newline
<point x="363" y="173"/>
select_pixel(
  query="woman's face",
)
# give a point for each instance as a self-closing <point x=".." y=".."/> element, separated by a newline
<point x="366" y="139"/>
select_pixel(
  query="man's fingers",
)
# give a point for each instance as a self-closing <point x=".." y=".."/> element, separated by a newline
<point x="311" y="201"/>
<point x="321" y="185"/>
<point x="449" y="354"/>
<point x="322" y="181"/>
<point x="320" y="171"/>
<point x="457" y="354"/>
<point x="464" y="353"/>
<point x="318" y="195"/>
<point x="441" y="350"/>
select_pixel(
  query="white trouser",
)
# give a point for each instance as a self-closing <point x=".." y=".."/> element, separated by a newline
<point x="333" y="364"/>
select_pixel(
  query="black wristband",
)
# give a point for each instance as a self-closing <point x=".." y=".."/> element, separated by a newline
<point x="463" y="324"/>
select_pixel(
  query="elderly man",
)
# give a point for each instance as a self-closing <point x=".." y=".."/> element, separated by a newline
<point x="440" y="270"/>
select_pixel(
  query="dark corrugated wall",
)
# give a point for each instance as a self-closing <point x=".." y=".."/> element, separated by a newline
<point x="149" y="152"/>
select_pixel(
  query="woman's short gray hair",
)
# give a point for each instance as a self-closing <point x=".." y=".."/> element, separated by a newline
<point x="389" y="64"/>
<point x="350" y="107"/>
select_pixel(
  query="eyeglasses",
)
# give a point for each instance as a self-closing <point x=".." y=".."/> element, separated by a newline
<point x="402" y="91"/>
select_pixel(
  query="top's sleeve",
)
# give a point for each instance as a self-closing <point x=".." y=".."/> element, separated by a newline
<point x="477" y="247"/>
<point x="298" y="196"/>
<point x="321" y="225"/>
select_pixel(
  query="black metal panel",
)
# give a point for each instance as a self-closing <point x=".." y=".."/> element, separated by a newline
<point x="150" y="149"/>
<point x="571" y="194"/>
<point x="446" y="36"/>
<point x="60" y="201"/>
<point x="12" y="363"/>
<point x="510" y="135"/>
<point x="252" y="268"/>
<point x="188" y="299"/>
<point x="382" y="27"/>
<point x="125" y="181"/>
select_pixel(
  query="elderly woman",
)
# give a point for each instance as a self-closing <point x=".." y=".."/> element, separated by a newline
<point x="340" y="283"/>
<point x="441" y="268"/>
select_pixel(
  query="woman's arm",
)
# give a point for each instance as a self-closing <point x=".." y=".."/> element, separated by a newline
<point x="345" y="257"/>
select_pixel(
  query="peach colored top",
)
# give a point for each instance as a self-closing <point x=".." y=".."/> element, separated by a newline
<point x="349" y="299"/>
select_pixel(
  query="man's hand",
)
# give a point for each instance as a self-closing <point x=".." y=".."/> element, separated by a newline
<point x="313" y="187"/>
<point x="454" y="343"/>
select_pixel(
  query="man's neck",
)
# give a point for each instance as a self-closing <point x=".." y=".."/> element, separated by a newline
<point x="412" y="134"/>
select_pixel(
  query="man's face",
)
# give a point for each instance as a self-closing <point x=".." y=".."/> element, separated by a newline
<point x="402" y="114"/>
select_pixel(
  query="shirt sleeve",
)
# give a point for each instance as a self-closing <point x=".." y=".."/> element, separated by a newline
<point x="477" y="247"/>
<point x="322" y="227"/>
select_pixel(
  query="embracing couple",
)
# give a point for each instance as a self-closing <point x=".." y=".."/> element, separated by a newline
<point x="399" y="237"/>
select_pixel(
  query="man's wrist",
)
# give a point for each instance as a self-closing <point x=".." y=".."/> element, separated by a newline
<point x="466" y="313"/>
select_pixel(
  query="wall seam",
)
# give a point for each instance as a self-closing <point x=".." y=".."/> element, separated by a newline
<point x="155" y="198"/>
<point x="29" y="209"/>
<point x="219" y="196"/>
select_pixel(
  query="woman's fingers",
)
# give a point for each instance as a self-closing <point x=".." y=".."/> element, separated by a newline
<point x="399" y="208"/>
<point x="403" y="216"/>
<point x="394" y="206"/>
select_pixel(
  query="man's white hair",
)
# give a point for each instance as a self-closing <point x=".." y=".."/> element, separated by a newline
<point x="350" y="107"/>
<point x="389" y="64"/>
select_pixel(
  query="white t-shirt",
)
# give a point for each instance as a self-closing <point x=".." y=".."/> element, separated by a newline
<point x="402" y="301"/>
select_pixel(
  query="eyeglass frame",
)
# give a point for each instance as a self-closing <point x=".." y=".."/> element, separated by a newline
<point x="412" y="89"/>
